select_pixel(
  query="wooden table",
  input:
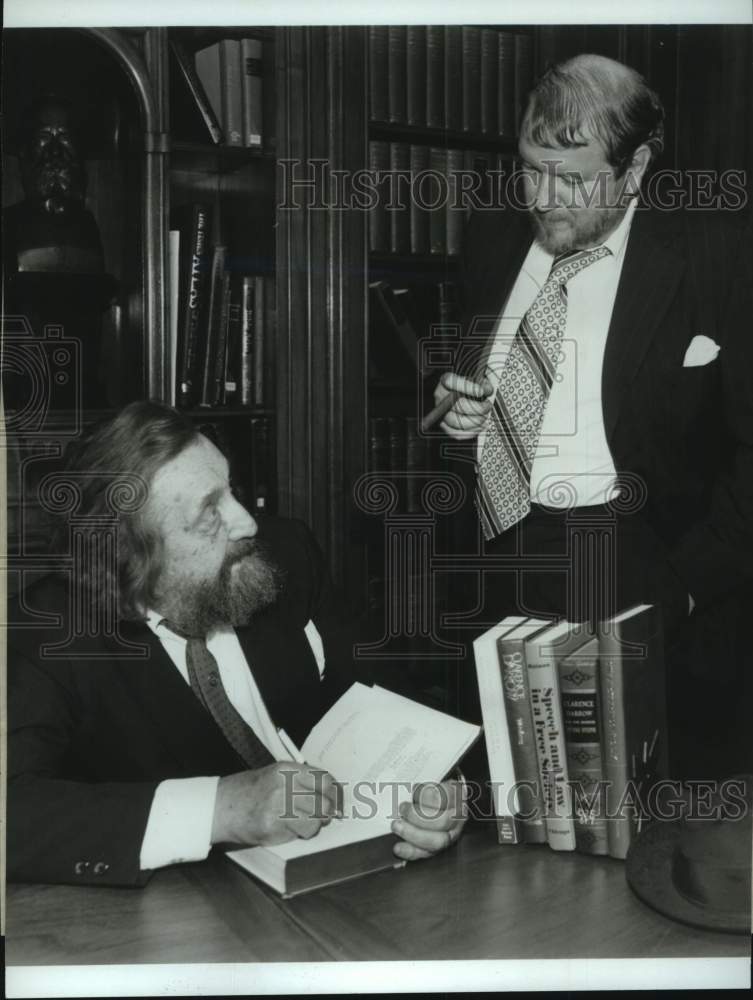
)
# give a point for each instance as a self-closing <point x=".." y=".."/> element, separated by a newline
<point x="477" y="901"/>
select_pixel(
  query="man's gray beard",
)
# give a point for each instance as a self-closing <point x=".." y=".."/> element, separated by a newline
<point x="233" y="597"/>
<point x="587" y="234"/>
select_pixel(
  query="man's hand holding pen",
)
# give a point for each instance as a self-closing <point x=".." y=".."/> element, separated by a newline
<point x="465" y="415"/>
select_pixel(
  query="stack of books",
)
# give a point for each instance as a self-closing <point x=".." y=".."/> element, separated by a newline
<point x="218" y="321"/>
<point x="575" y="727"/>
<point x="225" y="83"/>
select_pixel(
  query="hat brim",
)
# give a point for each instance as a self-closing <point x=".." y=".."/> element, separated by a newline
<point x="648" y="869"/>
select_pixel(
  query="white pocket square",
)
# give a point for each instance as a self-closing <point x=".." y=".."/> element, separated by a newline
<point x="701" y="351"/>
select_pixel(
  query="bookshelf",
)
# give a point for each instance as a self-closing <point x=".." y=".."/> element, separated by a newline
<point x="440" y="113"/>
<point x="221" y="178"/>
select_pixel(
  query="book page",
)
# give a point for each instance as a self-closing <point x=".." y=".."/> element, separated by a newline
<point x="378" y="743"/>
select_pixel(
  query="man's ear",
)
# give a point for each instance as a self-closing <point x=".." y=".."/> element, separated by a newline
<point x="637" y="168"/>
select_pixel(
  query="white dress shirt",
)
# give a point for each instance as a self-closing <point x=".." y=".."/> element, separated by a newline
<point x="573" y="465"/>
<point x="179" y="826"/>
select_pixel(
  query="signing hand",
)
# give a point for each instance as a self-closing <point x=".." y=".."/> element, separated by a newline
<point x="468" y="415"/>
<point x="274" y="804"/>
<point x="432" y="822"/>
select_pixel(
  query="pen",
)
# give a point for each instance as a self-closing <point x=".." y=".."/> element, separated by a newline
<point x="290" y="747"/>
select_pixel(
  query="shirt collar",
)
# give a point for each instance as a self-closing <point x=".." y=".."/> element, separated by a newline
<point x="541" y="260"/>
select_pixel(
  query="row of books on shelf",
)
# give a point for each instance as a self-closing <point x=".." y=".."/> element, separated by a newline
<point x="250" y="447"/>
<point x="225" y="81"/>
<point x="399" y="451"/>
<point x="218" y="322"/>
<point x="575" y="728"/>
<point x="460" y="78"/>
<point x="425" y="193"/>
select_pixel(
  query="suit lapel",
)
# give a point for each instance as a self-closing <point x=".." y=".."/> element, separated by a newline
<point x="169" y="705"/>
<point x="651" y="271"/>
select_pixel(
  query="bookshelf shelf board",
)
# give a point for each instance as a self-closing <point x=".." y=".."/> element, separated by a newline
<point x="411" y="267"/>
<point x="214" y="412"/>
<point x="445" y="138"/>
<point x="207" y="158"/>
<point x="195" y="38"/>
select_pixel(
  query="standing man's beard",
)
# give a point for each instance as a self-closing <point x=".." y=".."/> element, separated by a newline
<point x="246" y="583"/>
<point x="583" y="230"/>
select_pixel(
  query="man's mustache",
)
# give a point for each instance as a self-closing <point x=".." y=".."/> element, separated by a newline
<point x="242" y="549"/>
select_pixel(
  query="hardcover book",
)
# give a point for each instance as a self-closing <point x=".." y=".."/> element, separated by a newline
<point x="529" y="798"/>
<point x="196" y="89"/>
<point x="378" y="746"/>
<point x="496" y="730"/>
<point x="252" y="97"/>
<point x="542" y="654"/>
<point x="581" y="715"/>
<point x="633" y="711"/>
<point x="194" y="224"/>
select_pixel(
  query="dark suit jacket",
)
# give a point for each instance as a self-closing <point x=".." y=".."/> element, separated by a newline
<point x="93" y="729"/>
<point x="686" y="432"/>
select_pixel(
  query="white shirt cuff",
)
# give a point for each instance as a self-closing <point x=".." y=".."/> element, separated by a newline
<point x="179" y="827"/>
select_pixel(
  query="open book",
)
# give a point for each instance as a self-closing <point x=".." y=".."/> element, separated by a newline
<point x="378" y="745"/>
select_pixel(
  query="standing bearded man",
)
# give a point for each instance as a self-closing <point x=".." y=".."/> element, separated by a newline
<point x="615" y="386"/>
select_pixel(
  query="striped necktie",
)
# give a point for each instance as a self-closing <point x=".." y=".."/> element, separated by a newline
<point x="206" y="684"/>
<point x="503" y="486"/>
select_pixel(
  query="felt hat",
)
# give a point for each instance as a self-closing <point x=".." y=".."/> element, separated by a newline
<point x="697" y="869"/>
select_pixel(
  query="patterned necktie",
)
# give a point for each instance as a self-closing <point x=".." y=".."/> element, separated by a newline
<point x="206" y="684"/>
<point x="503" y="487"/>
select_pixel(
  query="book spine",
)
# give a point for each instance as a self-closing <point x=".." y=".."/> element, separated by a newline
<point x="506" y="84"/>
<point x="523" y="74"/>
<point x="207" y="63"/>
<point x="198" y="93"/>
<point x="231" y="393"/>
<point x="497" y="738"/>
<point x="550" y="745"/>
<point x="212" y="334"/>
<point x="378" y="73"/>
<point x="220" y="358"/>
<point x="579" y="692"/>
<point x="489" y="81"/>
<point x="453" y="78"/>
<point x="611" y="680"/>
<point x="438" y="213"/>
<point x="379" y="222"/>
<point x="252" y="97"/>
<point x="420" y="240"/>
<point x="194" y="283"/>
<point x="174" y="309"/>
<point x="379" y="448"/>
<point x="447" y="297"/>
<point x="246" y="342"/>
<point x="416" y="74"/>
<point x="455" y="208"/>
<point x="435" y="107"/>
<point x="529" y="798"/>
<point x="416" y="463"/>
<point x="260" y="343"/>
<point x="400" y="214"/>
<point x="231" y="84"/>
<point x="471" y="79"/>
<point x="396" y="67"/>
<point x="398" y="457"/>
<point x="262" y="464"/>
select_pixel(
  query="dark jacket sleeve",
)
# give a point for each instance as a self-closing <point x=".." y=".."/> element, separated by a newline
<point x="62" y="830"/>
